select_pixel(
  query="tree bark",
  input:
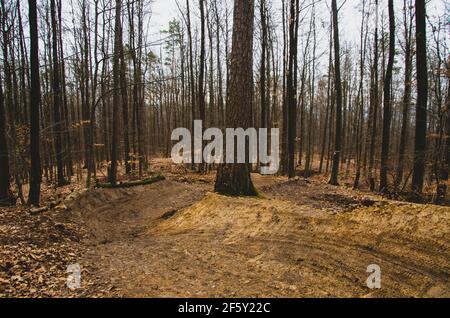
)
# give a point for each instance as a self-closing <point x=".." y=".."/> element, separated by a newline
<point x="337" y="72"/>
<point x="422" y="98"/>
<point x="406" y="98"/>
<point x="56" y="89"/>
<point x="35" y="98"/>
<point x="235" y="179"/>
<point x="116" y="93"/>
<point x="387" y="103"/>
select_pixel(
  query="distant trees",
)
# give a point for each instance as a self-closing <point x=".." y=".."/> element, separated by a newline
<point x="100" y="92"/>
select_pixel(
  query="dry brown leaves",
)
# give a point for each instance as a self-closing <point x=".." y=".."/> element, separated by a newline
<point x="37" y="248"/>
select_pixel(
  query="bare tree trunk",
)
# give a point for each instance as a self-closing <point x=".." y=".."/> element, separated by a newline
<point x="422" y="98"/>
<point x="406" y="95"/>
<point x="116" y="93"/>
<point x="192" y="81"/>
<point x="262" y="91"/>
<point x="125" y="114"/>
<point x="35" y="98"/>
<point x="201" y="80"/>
<point x="387" y="103"/>
<point x="361" y="99"/>
<point x="445" y="170"/>
<point x="56" y="88"/>
<point x="235" y="179"/>
<point x="337" y="72"/>
<point x="291" y="92"/>
<point x="6" y="197"/>
<point x="328" y="110"/>
<point x="373" y="117"/>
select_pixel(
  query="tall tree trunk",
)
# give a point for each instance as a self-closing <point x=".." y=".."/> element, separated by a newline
<point x="5" y="192"/>
<point x="116" y="92"/>
<point x="387" y="103"/>
<point x="201" y="79"/>
<point x="422" y="98"/>
<point x="337" y="73"/>
<point x="374" y="100"/>
<point x="220" y="100"/>
<point x="328" y="110"/>
<point x="35" y="98"/>
<point x="192" y="80"/>
<point x="291" y="97"/>
<point x="406" y="96"/>
<point x="262" y="91"/>
<point x="361" y="98"/>
<point x="235" y="179"/>
<point x="445" y="170"/>
<point x="125" y="113"/>
<point x="56" y="89"/>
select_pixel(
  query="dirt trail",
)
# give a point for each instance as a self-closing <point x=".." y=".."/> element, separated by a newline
<point x="174" y="239"/>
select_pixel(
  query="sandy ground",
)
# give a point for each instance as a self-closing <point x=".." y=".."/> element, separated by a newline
<point x="299" y="239"/>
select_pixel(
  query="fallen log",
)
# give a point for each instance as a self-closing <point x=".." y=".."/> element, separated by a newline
<point x="131" y="183"/>
<point x="37" y="211"/>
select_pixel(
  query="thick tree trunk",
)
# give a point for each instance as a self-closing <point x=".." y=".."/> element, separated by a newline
<point x="235" y="179"/>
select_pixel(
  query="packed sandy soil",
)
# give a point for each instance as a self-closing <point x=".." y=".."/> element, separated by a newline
<point x="300" y="238"/>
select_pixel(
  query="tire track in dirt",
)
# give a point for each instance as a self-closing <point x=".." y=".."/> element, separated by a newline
<point x="168" y="240"/>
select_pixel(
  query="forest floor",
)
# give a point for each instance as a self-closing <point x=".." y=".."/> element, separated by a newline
<point x="176" y="238"/>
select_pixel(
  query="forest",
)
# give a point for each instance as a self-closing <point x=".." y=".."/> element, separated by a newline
<point x="91" y="92"/>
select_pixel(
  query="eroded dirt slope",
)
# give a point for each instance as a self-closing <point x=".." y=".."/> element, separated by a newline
<point x="300" y="239"/>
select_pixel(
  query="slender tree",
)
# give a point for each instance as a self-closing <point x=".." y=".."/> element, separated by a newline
<point x="291" y="90"/>
<point x="422" y="98"/>
<point x="337" y="74"/>
<point x="35" y="98"/>
<point x="56" y="90"/>
<point x="5" y="193"/>
<point x="118" y="47"/>
<point x="191" y="75"/>
<point x="387" y="103"/>
<point x="408" y="22"/>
